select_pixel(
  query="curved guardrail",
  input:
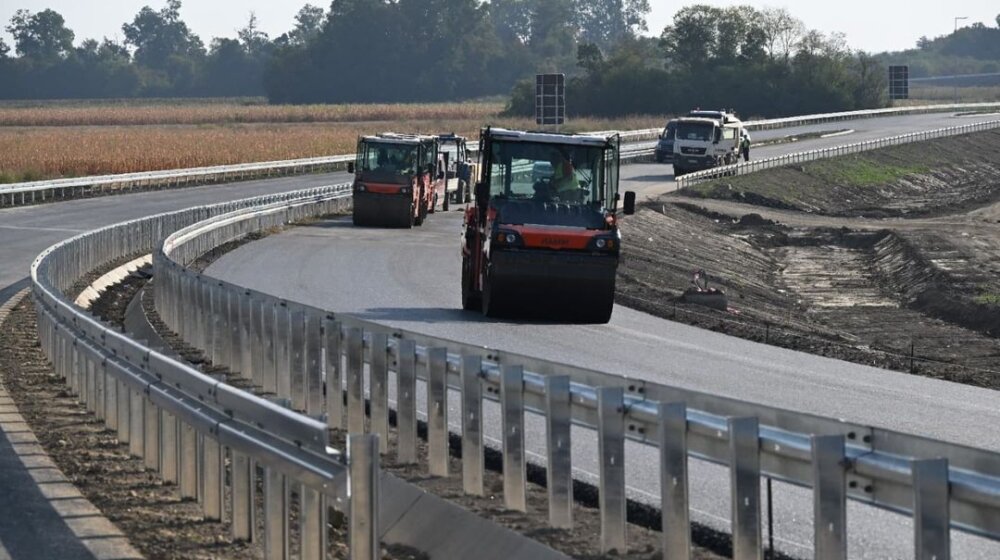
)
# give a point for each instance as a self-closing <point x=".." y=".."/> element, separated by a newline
<point x="16" y="194"/>
<point x="836" y="151"/>
<point x="302" y="353"/>
<point x="194" y="429"/>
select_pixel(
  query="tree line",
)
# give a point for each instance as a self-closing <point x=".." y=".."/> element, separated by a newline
<point x="974" y="49"/>
<point x="761" y="61"/>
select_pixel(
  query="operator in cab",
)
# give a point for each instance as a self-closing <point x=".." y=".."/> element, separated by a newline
<point x="564" y="183"/>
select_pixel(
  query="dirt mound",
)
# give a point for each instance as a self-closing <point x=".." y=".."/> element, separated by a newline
<point x="919" y="179"/>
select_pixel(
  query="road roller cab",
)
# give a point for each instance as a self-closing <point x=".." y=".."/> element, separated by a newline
<point x="542" y="238"/>
<point x="458" y="169"/>
<point x="395" y="179"/>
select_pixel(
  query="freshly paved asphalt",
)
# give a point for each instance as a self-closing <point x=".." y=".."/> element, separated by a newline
<point x="409" y="280"/>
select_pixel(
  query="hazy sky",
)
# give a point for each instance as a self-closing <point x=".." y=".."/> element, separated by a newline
<point x="872" y="25"/>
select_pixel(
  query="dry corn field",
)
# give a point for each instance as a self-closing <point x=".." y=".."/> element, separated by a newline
<point x="130" y="114"/>
<point x="93" y="147"/>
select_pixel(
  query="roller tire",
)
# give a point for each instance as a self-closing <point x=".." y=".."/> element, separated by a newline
<point x="471" y="301"/>
<point x="422" y="212"/>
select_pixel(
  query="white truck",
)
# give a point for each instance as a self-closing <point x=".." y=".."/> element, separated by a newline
<point x="706" y="139"/>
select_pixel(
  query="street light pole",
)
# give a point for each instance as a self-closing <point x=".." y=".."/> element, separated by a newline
<point x="957" y="19"/>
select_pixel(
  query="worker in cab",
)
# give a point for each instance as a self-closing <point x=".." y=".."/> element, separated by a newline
<point x="745" y="144"/>
<point x="564" y="183"/>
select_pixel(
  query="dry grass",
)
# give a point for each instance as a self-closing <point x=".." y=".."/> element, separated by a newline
<point x="130" y="114"/>
<point x="35" y="153"/>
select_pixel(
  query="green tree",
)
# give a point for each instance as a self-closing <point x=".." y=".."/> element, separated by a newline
<point x="693" y="38"/>
<point x="254" y="41"/>
<point x="553" y="35"/>
<point x="607" y="23"/>
<point x="4" y="49"/>
<point x="158" y="36"/>
<point x="42" y="37"/>
<point x="308" y="25"/>
<point x="511" y="19"/>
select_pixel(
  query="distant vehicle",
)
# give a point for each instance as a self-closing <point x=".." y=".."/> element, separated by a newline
<point x="458" y="169"/>
<point x="665" y="146"/>
<point x="396" y="182"/>
<point x="542" y="233"/>
<point x="705" y="142"/>
<point x="726" y="117"/>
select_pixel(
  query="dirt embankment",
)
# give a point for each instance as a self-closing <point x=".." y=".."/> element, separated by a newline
<point x="920" y="294"/>
<point x="918" y="179"/>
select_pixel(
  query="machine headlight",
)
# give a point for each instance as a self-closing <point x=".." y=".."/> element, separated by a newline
<point x="361" y="188"/>
<point x="404" y="190"/>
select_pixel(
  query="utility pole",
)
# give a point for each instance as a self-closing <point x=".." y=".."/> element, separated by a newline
<point x="957" y="19"/>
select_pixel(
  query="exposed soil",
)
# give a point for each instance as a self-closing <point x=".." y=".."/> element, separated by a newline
<point x="809" y="261"/>
<point x="919" y="179"/>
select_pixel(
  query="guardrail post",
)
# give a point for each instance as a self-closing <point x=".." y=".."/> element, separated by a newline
<point x="168" y="447"/>
<point x="512" y="420"/>
<point x="151" y="444"/>
<point x="211" y="478"/>
<point x="611" y="449"/>
<point x="111" y="412"/>
<point x="437" y="411"/>
<point x="188" y="468"/>
<point x="276" y="513"/>
<point x="334" y="374"/>
<point x="829" y="498"/>
<point x="135" y="423"/>
<point x="269" y="324"/>
<point x="355" y="381"/>
<point x="298" y="360"/>
<point x="257" y="343"/>
<point x="472" y="425"/>
<point x="312" y="520"/>
<point x="931" y="509"/>
<point x="406" y="402"/>
<point x="124" y="413"/>
<point x="90" y="384"/>
<point x="242" y="497"/>
<point x="676" y="517"/>
<point x="314" y="366"/>
<point x="282" y="351"/>
<point x="246" y="309"/>
<point x="559" y="475"/>
<point x="744" y="469"/>
<point x="378" y="375"/>
<point x="363" y="481"/>
<point x="235" y="354"/>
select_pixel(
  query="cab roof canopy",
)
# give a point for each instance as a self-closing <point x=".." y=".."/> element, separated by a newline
<point x="548" y="137"/>
<point x="396" y="138"/>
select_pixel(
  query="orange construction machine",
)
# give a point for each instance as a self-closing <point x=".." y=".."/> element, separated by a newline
<point x="542" y="236"/>
<point x="395" y="179"/>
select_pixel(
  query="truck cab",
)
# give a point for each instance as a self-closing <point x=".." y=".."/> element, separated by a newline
<point x="395" y="179"/>
<point x="665" y="145"/>
<point x="542" y="235"/>
<point x="703" y="143"/>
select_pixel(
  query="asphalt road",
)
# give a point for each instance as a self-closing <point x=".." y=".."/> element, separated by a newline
<point x="410" y="278"/>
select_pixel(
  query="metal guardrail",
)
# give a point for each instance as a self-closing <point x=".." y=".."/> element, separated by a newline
<point x="194" y="429"/>
<point x="16" y="194"/>
<point x="275" y="344"/>
<point x="836" y="151"/>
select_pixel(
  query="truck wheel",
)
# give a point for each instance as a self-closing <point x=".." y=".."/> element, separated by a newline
<point x="467" y="191"/>
<point x="471" y="301"/>
<point x="678" y="171"/>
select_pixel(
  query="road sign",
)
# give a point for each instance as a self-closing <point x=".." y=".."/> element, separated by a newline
<point x="899" y="82"/>
<point x="550" y="99"/>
